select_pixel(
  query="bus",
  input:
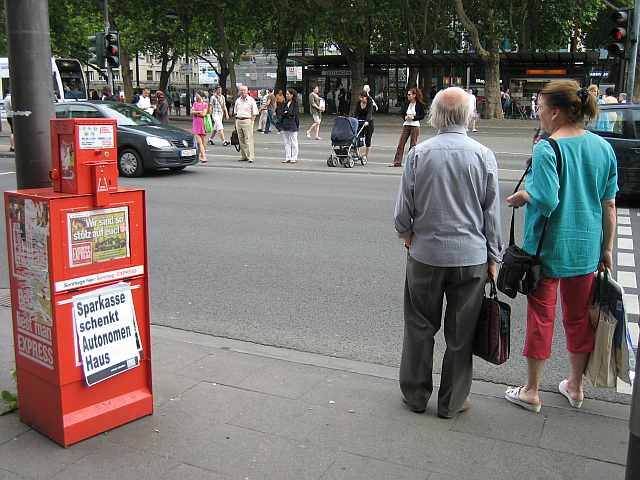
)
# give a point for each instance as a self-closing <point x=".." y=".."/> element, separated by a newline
<point x="67" y="76"/>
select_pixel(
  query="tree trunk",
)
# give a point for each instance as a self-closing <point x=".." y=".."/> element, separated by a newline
<point x="281" y="73"/>
<point x="227" y="55"/>
<point x="127" y="74"/>
<point x="412" y="80"/>
<point x="167" y="70"/>
<point x="356" y="63"/>
<point x="492" y="86"/>
<point x="426" y="80"/>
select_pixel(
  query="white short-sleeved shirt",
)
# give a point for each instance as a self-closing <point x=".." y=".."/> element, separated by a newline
<point x="246" y="108"/>
<point x="411" y="110"/>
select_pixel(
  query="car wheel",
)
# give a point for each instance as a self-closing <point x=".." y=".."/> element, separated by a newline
<point x="177" y="169"/>
<point x="130" y="163"/>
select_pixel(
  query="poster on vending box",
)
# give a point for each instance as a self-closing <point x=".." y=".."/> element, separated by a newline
<point x="98" y="236"/>
<point x="28" y="224"/>
<point x="106" y="332"/>
<point x="92" y="137"/>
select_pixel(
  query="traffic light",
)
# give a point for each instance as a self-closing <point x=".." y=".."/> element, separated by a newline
<point x="96" y="49"/>
<point x="618" y="37"/>
<point x="112" y="49"/>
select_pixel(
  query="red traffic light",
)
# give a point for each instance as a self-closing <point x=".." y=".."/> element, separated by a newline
<point x="619" y="33"/>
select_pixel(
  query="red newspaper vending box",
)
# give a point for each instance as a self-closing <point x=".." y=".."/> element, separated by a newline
<point x="79" y="289"/>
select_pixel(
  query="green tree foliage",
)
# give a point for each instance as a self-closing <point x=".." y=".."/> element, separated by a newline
<point x="70" y="23"/>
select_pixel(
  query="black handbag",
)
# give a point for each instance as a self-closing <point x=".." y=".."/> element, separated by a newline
<point x="520" y="271"/>
<point x="492" y="341"/>
<point x="235" y="140"/>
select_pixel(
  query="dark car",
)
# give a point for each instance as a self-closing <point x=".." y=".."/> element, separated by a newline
<point x="619" y="124"/>
<point x="143" y="142"/>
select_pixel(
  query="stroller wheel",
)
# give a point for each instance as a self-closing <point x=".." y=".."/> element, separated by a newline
<point x="334" y="161"/>
<point x="350" y="162"/>
<point x="330" y="162"/>
<point x="363" y="160"/>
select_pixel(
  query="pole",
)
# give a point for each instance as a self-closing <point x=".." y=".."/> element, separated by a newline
<point x="186" y="54"/>
<point x="633" y="54"/>
<point x="106" y="31"/>
<point x="137" y="69"/>
<point x="31" y="89"/>
<point x="633" y="452"/>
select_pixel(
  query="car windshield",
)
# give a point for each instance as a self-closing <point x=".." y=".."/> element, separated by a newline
<point x="126" y="114"/>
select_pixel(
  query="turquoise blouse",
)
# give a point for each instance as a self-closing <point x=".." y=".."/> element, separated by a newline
<point x="573" y="203"/>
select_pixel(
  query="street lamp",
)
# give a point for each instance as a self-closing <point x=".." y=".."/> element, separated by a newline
<point x="186" y="20"/>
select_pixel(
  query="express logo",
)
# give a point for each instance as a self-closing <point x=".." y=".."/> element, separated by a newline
<point x="81" y="253"/>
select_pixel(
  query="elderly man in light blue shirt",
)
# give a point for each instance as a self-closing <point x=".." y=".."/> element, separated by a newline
<point x="447" y="211"/>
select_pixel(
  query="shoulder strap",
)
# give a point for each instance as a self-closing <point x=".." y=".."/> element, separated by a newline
<point x="556" y="150"/>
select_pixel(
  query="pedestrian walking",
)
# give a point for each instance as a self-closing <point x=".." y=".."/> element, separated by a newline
<point x="175" y="97"/>
<point x="448" y="213"/>
<point x="245" y="111"/>
<point x="364" y="112"/>
<point x="271" y="111"/>
<point x="412" y="112"/>
<point x="199" y="110"/>
<point x="367" y="90"/>
<point x="144" y="102"/>
<point x="8" y="109"/>
<point x="279" y="101"/>
<point x="218" y="109"/>
<point x="262" y="121"/>
<point x="107" y="94"/>
<point x="577" y="204"/>
<point x="474" y="104"/>
<point x="161" y="112"/>
<point x="289" y="126"/>
<point x="315" y="105"/>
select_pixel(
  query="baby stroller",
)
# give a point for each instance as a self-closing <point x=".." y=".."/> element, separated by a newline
<point x="346" y="138"/>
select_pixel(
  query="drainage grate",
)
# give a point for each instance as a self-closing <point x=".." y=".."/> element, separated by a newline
<point x="5" y="297"/>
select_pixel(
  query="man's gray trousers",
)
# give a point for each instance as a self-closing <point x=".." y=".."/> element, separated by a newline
<point x="425" y="287"/>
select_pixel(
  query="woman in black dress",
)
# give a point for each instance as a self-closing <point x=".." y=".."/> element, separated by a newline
<point x="364" y="112"/>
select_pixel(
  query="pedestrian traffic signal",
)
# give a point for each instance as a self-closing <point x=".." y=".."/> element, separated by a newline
<point x="96" y="50"/>
<point x="618" y="37"/>
<point x="112" y="49"/>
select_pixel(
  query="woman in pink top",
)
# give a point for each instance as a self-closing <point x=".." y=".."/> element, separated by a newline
<point x="199" y="110"/>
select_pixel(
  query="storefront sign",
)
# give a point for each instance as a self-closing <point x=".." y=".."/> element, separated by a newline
<point x="547" y="71"/>
<point x="106" y="332"/>
<point x="98" y="236"/>
<point x="294" y="73"/>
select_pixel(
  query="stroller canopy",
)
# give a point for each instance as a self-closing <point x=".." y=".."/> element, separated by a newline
<point x="344" y="130"/>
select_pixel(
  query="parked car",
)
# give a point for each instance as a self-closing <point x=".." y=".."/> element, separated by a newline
<point x="619" y="124"/>
<point x="143" y="142"/>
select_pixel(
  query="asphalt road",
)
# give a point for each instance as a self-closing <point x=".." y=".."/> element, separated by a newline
<point x="304" y="257"/>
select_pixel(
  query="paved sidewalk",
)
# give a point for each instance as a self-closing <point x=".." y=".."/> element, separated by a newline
<point x="228" y="409"/>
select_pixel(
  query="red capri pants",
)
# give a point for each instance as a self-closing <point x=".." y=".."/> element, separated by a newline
<point x="576" y="294"/>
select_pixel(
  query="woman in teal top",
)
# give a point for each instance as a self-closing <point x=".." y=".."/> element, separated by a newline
<point x="579" y="202"/>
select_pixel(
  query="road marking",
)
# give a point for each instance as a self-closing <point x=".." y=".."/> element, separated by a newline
<point x="627" y="279"/>
<point x="634" y="332"/>
<point x="7" y="173"/>
<point x="623" y="211"/>
<point x="624" y="221"/>
<point x="626" y="260"/>
<point x="625" y="243"/>
<point x="624" y="231"/>
<point x="631" y="305"/>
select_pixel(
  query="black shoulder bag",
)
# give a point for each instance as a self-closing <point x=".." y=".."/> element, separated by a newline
<point x="521" y="272"/>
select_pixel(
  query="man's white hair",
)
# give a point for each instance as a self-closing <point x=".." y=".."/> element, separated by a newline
<point x="451" y="107"/>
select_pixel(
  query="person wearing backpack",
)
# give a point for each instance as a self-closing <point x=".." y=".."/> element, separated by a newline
<point x="578" y="200"/>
